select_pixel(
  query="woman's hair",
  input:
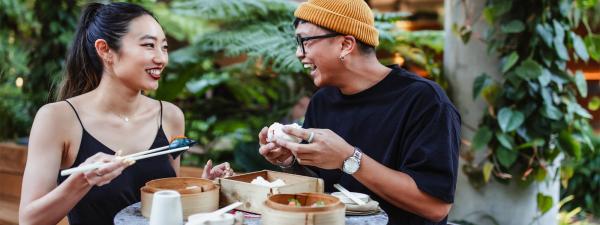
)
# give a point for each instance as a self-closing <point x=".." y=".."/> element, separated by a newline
<point x="98" y="21"/>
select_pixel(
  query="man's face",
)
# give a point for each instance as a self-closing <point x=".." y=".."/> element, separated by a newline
<point x="321" y="53"/>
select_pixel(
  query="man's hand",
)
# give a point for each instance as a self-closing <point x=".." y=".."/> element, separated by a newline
<point x="327" y="149"/>
<point x="272" y="152"/>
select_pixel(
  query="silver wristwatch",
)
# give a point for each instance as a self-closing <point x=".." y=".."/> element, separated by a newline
<point x="352" y="163"/>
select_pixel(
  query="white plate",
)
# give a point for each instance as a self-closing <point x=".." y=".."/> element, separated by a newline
<point x="223" y="219"/>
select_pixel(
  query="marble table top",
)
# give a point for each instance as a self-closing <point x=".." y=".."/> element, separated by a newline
<point x="132" y="215"/>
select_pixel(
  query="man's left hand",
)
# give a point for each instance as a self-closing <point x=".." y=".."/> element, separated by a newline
<point x="327" y="150"/>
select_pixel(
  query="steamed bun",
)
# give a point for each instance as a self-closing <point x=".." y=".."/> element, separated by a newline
<point x="276" y="132"/>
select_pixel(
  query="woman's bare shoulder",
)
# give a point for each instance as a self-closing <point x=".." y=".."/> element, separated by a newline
<point x="55" y="111"/>
<point x="56" y="115"/>
<point x="172" y="112"/>
<point x="173" y="119"/>
<point x="54" y="123"/>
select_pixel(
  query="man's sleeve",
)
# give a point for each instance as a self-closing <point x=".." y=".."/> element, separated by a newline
<point x="430" y="150"/>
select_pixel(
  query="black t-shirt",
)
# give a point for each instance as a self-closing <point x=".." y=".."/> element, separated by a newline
<point x="405" y="122"/>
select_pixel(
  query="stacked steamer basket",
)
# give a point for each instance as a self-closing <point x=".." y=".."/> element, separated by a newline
<point x="329" y="210"/>
<point x="197" y="195"/>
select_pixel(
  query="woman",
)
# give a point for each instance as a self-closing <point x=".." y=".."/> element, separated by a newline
<point x="119" y="50"/>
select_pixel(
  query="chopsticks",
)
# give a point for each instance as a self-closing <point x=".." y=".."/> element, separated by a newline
<point x="348" y="194"/>
<point x="134" y="157"/>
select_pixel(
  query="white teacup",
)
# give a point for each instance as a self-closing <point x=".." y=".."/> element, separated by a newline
<point x="166" y="208"/>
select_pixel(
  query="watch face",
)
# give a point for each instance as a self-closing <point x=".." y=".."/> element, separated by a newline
<point x="351" y="165"/>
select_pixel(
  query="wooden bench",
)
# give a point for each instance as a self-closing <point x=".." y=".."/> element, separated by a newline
<point x="12" y="164"/>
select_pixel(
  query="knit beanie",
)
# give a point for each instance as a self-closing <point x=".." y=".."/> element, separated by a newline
<point x="350" y="17"/>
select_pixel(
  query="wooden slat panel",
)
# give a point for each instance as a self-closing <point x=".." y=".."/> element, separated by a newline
<point x="9" y="210"/>
<point x="592" y="75"/>
<point x="186" y="171"/>
<point x="11" y="184"/>
<point x="12" y="158"/>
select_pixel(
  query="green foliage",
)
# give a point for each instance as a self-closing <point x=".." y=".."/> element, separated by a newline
<point x="594" y="104"/>
<point x="544" y="202"/>
<point x="250" y="76"/>
<point x="574" y="216"/>
<point x="482" y="138"/>
<point x="13" y="121"/>
<point x="533" y="114"/>
<point x="57" y="24"/>
<point x="232" y="68"/>
<point x="36" y="34"/>
<point x="259" y="29"/>
<point x="422" y="48"/>
<point x="13" y="65"/>
<point x="232" y="76"/>
<point x="581" y="179"/>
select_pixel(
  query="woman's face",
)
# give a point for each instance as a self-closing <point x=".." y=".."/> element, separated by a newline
<point x="143" y="54"/>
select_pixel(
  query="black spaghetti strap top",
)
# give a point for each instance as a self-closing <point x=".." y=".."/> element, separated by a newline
<point x="101" y="204"/>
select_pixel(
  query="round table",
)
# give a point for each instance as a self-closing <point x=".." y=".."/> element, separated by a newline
<point x="133" y="216"/>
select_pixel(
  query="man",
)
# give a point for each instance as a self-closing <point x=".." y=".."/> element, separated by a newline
<point x="373" y="129"/>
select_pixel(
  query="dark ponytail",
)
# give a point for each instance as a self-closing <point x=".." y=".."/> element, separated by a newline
<point x="98" y="21"/>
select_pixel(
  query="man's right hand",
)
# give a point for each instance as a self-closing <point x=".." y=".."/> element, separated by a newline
<point x="272" y="152"/>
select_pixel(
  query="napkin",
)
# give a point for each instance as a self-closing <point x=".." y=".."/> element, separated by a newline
<point x="372" y="205"/>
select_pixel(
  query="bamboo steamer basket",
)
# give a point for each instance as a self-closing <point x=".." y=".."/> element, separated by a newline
<point x="240" y="189"/>
<point x="197" y="195"/>
<point x="278" y="212"/>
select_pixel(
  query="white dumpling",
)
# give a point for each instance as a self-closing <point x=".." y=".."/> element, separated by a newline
<point x="276" y="132"/>
<point x="262" y="182"/>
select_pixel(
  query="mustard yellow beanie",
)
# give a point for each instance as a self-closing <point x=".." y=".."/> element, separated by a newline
<point x="350" y="17"/>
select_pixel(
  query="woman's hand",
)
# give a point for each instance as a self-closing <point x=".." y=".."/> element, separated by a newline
<point x="103" y="175"/>
<point x="219" y="171"/>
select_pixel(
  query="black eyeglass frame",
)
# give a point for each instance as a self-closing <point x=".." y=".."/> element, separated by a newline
<point x="300" y="40"/>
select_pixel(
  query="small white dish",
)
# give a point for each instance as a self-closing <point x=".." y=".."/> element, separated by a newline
<point x="223" y="219"/>
<point x="346" y="200"/>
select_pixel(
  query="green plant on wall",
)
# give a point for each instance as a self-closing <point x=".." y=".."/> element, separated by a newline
<point x="585" y="179"/>
<point x="532" y="115"/>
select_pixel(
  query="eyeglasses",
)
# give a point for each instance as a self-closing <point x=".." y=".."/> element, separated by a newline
<point x="300" y="40"/>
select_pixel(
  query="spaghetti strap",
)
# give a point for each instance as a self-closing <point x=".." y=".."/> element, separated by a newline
<point x="161" y="109"/>
<point x="76" y="114"/>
